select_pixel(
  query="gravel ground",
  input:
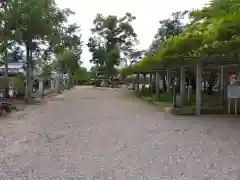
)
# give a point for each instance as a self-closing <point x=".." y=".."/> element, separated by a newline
<point x="95" y="134"/>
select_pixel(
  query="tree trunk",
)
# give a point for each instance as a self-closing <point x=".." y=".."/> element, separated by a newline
<point x="28" y="89"/>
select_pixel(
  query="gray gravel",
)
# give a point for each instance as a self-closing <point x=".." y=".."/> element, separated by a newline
<point x="95" y="134"/>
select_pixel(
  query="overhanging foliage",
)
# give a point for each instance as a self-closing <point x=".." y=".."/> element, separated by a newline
<point x="215" y="29"/>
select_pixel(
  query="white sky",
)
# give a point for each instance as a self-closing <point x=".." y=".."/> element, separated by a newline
<point x="147" y="12"/>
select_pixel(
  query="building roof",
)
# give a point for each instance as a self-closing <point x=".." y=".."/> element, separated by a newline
<point x="13" y="66"/>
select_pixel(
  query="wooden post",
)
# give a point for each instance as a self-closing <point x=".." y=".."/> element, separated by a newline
<point x="229" y="106"/>
<point x="133" y="84"/>
<point x="150" y="82"/>
<point x="236" y="106"/>
<point x="198" y="89"/>
<point x="174" y="93"/>
<point x="157" y="84"/>
<point x="221" y="86"/>
<point x="225" y="85"/>
<point x="137" y="82"/>
<point x="144" y="81"/>
<point x="189" y="93"/>
<point x="182" y="86"/>
<point x="168" y="81"/>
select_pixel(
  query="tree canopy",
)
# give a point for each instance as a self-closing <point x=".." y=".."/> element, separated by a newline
<point x="112" y="37"/>
<point x="213" y="29"/>
<point x="40" y="28"/>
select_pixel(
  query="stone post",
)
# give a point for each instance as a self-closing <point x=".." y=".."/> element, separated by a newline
<point x="41" y="87"/>
<point x="58" y="84"/>
<point x="52" y="81"/>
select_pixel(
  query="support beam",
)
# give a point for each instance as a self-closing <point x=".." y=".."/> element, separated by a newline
<point x="150" y="82"/>
<point x="198" y="89"/>
<point x="157" y="84"/>
<point x="133" y="84"/>
<point x="138" y="78"/>
<point x="182" y="86"/>
<point x="168" y="81"/>
<point x="189" y="93"/>
<point x="221" y="86"/>
<point x="144" y="81"/>
<point x="225" y="86"/>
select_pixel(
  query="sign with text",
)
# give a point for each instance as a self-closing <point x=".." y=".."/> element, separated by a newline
<point x="233" y="91"/>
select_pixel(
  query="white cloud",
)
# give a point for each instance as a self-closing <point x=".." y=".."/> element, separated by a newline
<point x="148" y="13"/>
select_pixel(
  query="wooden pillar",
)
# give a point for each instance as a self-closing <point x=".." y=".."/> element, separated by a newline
<point x="189" y="93"/>
<point x="198" y="89"/>
<point x="138" y="82"/>
<point x="144" y="81"/>
<point x="174" y="92"/>
<point x="221" y="86"/>
<point x="157" y="84"/>
<point x="150" y="82"/>
<point x="226" y="83"/>
<point x="133" y="83"/>
<point x="182" y="85"/>
<point x="168" y="81"/>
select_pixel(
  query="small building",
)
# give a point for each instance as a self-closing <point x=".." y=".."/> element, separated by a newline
<point x="15" y="68"/>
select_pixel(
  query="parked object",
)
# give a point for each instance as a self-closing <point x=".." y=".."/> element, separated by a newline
<point x="5" y="108"/>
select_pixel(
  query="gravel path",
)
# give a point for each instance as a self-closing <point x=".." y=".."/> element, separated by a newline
<point x="95" y="134"/>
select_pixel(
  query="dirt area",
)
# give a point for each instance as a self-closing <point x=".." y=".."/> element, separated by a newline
<point x="103" y="134"/>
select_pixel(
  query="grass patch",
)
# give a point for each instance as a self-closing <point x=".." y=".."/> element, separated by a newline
<point x="163" y="97"/>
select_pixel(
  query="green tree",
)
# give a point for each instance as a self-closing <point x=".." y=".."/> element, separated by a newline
<point x="6" y="38"/>
<point x="172" y="26"/>
<point x="213" y="30"/>
<point x="68" y="50"/>
<point x="111" y="37"/>
<point x="34" y="21"/>
<point x="81" y="75"/>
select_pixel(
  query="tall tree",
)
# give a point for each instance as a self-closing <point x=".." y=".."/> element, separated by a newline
<point x="34" y="21"/>
<point x="69" y="50"/>
<point x="112" y="36"/>
<point x="172" y="26"/>
<point x="6" y="37"/>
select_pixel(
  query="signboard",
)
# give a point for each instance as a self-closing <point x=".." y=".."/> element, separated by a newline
<point x="233" y="91"/>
